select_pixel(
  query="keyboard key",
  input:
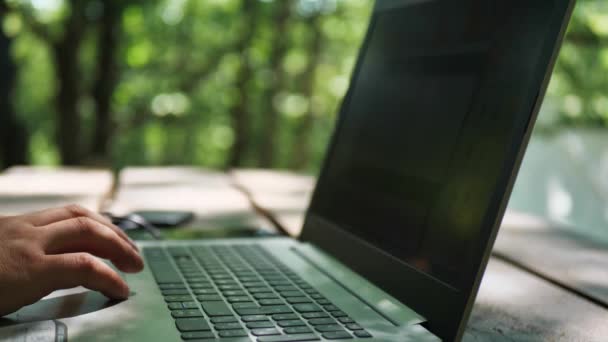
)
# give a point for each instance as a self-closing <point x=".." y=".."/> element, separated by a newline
<point x="164" y="272"/>
<point x="331" y="308"/>
<point x="260" y="324"/>
<point x="346" y="320"/>
<point x="236" y="299"/>
<point x="321" y="321"/>
<point x="216" y="309"/>
<point x="292" y="293"/>
<point x="234" y="293"/>
<point x="323" y="301"/>
<point x="298" y="300"/>
<point x="271" y="301"/>
<point x="336" y="335"/>
<point x="170" y="286"/>
<point x="310" y="315"/>
<point x="354" y="326"/>
<point x="199" y="285"/>
<point x="283" y="317"/>
<point x="209" y="298"/>
<point x="186" y="313"/>
<point x="205" y="292"/>
<point x="265" y="332"/>
<point x="249" y="284"/>
<point x="259" y="289"/>
<point x="338" y="314"/>
<point x="178" y="251"/>
<point x="254" y="318"/>
<point x="244" y="305"/>
<point x="287" y="288"/>
<point x="228" y="326"/>
<point x="279" y="282"/>
<point x="291" y="323"/>
<point x="220" y="276"/>
<point x="233" y="333"/>
<point x="199" y="278"/>
<point x="265" y="310"/>
<point x="329" y="327"/>
<point x="226" y="282"/>
<point x="179" y="298"/>
<point x="229" y="287"/>
<point x="362" y="334"/>
<point x="197" y="335"/>
<point x="289" y="338"/>
<point x="307" y="308"/>
<point x="175" y="306"/>
<point x="190" y="305"/>
<point x="224" y="319"/>
<point x="297" y="330"/>
<point x="265" y="296"/>
<point x="191" y="324"/>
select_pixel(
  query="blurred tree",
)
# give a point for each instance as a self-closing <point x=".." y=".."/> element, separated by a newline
<point x="240" y="112"/>
<point x="301" y="145"/>
<point x="279" y="48"/>
<point x="13" y="134"/>
<point x="65" y="48"/>
<point x="106" y="75"/>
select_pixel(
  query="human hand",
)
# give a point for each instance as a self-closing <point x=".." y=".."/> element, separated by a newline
<point x="54" y="249"/>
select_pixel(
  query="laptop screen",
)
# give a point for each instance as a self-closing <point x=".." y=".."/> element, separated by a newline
<point x="443" y="90"/>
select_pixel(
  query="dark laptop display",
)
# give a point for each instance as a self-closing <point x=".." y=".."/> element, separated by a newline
<point x="433" y="126"/>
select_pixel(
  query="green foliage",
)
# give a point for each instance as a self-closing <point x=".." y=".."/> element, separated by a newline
<point x="186" y="69"/>
<point x="578" y="92"/>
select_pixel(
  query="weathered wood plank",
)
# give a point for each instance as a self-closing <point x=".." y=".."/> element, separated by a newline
<point x="285" y="194"/>
<point x="564" y="256"/>
<point x="209" y="194"/>
<point x="513" y="305"/>
<point x="24" y="189"/>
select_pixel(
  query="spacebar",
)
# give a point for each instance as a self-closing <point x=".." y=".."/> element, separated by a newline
<point x="289" y="338"/>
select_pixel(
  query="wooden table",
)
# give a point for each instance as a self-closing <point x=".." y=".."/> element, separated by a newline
<point x="542" y="284"/>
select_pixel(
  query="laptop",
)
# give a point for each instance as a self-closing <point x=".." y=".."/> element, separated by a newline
<point x="401" y="224"/>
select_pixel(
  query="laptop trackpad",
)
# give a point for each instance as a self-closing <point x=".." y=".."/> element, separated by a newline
<point x="60" y="304"/>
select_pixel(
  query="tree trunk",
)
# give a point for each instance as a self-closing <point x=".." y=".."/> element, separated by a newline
<point x="65" y="52"/>
<point x="270" y="116"/>
<point x="301" y="145"/>
<point x="240" y="114"/>
<point x="106" y="77"/>
<point x="13" y="135"/>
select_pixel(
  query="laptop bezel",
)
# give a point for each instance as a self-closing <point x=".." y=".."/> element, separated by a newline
<point x="446" y="308"/>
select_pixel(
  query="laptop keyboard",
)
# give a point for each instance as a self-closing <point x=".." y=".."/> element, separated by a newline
<point x="228" y="291"/>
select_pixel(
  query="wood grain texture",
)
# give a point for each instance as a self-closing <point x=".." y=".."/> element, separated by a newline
<point x="25" y="189"/>
<point x="560" y="255"/>
<point x="209" y="194"/>
<point x="285" y="194"/>
<point x="513" y="305"/>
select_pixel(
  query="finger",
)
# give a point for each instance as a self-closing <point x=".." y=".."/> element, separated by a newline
<point x="45" y="217"/>
<point x="66" y="271"/>
<point x="83" y="234"/>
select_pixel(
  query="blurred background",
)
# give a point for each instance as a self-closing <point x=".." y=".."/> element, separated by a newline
<point x="257" y="84"/>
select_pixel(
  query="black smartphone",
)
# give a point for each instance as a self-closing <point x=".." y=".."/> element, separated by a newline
<point x="166" y="218"/>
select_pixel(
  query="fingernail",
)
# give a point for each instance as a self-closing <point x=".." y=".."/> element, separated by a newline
<point x="133" y="244"/>
<point x="125" y="292"/>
